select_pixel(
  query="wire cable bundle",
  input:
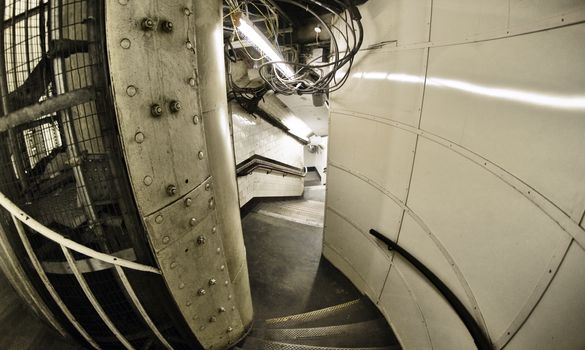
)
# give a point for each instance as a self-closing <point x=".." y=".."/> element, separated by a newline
<point x="346" y="33"/>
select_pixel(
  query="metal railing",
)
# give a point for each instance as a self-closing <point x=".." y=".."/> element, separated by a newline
<point x="479" y="337"/>
<point x="22" y="219"/>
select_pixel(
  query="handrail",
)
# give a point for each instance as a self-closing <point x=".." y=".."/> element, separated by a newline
<point x="259" y="162"/>
<point x="479" y="337"/>
<point x="61" y="240"/>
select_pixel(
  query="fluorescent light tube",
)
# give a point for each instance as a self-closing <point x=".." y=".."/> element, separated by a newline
<point x="255" y="36"/>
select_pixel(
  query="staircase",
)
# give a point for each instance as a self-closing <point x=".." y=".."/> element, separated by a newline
<point x="355" y="325"/>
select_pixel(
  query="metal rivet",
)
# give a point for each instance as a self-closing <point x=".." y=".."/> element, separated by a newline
<point x="195" y="119"/>
<point x="188" y="303"/>
<point x="229" y="329"/>
<point x="173" y="265"/>
<point x="226" y="282"/>
<point x="207" y="186"/>
<point x="212" y="319"/>
<point x="222" y="267"/>
<point x="212" y="281"/>
<point x="139" y="137"/>
<point x="192" y="81"/>
<point x="181" y="285"/>
<point x="201" y="291"/>
<point x="166" y="239"/>
<point x="175" y="106"/>
<point x="201" y="240"/>
<point x="147" y="24"/>
<point x="218" y="250"/>
<point x="147" y="180"/>
<point x="221" y="309"/>
<point x="167" y="26"/>
<point x="200" y="155"/>
<point x="211" y="203"/>
<point x="125" y="43"/>
<point x="131" y="90"/>
<point x="230" y="297"/>
<point x="193" y="222"/>
<point x="214" y="229"/>
<point x="158" y="219"/>
<point x="202" y="327"/>
<point x="189" y="45"/>
<point x="187" y="12"/>
<point x="188" y="202"/>
<point x="233" y="308"/>
<point x="156" y="110"/>
<point x="171" y="190"/>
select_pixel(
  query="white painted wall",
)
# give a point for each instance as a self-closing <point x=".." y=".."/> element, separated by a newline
<point x="318" y="159"/>
<point x="463" y="139"/>
<point x="254" y="135"/>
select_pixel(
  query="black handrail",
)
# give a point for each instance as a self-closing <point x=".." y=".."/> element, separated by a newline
<point x="259" y="162"/>
<point x="481" y="340"/>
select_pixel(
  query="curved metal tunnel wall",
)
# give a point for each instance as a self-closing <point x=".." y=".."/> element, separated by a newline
<point x="460" y="135"/>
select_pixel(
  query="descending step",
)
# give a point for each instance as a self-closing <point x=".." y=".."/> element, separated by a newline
<point x="373" y="333"/>
<point x="349" y="312"/>
<point x="260" y="344"/>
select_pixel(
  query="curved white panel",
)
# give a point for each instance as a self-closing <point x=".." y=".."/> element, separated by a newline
<point x="499" y="239"/>
<point x="526" y="115"/>
<point x="561" y="309"/>
<point x="392" y="149"/>
<point x="390" y="85"/>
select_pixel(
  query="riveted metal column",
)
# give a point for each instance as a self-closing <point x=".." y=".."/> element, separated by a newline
<point x="153" y="59"/>
<point x="209" y="33"/>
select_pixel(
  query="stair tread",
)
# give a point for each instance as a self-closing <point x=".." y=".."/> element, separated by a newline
<point x="252" y="343"/>
<point x="349" y="312"/>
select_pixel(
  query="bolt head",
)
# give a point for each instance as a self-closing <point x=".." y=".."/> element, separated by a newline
<point x="188" y="202"/>
<point x="156" y="110"/>
<point x="192" y="82"/>
<point x="171" y="190"/>
<point x="167" y="26"/>
<point x="207" y="187"/>
<point x="211" y="203"/>
<point x="189" y="45"/>
<point x="195" y="119"/>
<point x="166" y="239"/>
<point x="200" y="155"/>
<point x="158" y="219"/>
<point x="201" y="292"/>
<point x="139" y="137"/>
<point x="175" y="106"/>
<point x="221" y="309"/>
<point x="201" y="240"/>
<point x="212" y="319"/>
<point x="193" y="222"/>
<point x="212" y="281"/>
<point x="147" y="24"/>
<point x="229" y="329"/>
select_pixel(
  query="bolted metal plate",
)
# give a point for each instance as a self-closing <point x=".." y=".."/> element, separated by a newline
<point x="176" y="220"/>
<point x="162" y="145"/>
<point x="194" y="267"/>
<point x="153" y="65"/>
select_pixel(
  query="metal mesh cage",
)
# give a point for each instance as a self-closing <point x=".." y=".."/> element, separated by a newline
<point x="64" y="167"/>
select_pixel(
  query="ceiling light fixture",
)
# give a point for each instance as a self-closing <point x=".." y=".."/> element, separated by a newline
<point x="255" y="36"/>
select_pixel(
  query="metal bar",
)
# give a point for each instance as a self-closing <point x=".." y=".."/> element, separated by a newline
<point x="59" y="71"/>
<point x="59" y="239"/>
<point x="87" y="265"/>
<point x="49" y="106"/>
<point x="23" y="283"/>
<point x="92" y="299"/>
<point x="39" y="268"/>
<point x="479" y="337"/>
<point x="140" y="308"/>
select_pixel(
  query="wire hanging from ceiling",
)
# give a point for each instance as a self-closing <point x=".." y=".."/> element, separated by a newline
<point x="314" y="77"/>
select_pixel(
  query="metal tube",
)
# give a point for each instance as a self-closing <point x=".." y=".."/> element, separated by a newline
<point x="92" y="299"/>
<point x="140" y="308"/>
<point x="59" y="239"/>
<point x="39" y="268"/>
<point x="214" y="107"/>
<point x="52" y="105"/>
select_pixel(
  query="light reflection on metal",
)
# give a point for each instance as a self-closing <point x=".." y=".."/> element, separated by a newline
<point x="570" y="102"/>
